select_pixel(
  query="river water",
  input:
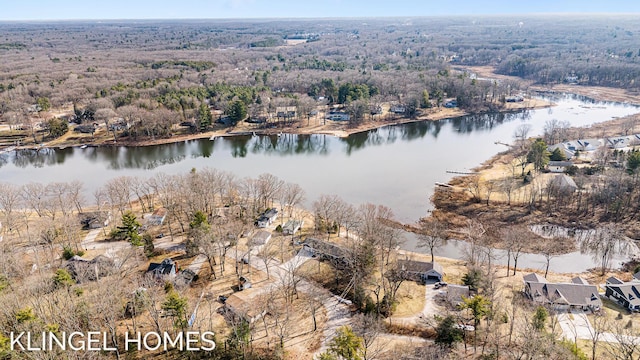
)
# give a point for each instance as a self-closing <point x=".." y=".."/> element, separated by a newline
<point x="396" y="166"/>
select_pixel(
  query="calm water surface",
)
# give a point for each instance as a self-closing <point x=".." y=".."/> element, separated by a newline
<point x="395" y="166"/>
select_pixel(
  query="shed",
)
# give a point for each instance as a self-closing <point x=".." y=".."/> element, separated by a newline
<point x="457" y="293"/>
<point x="292" y="226"/>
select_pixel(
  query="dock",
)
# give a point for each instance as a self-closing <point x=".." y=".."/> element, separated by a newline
<point x="461" y="172"/>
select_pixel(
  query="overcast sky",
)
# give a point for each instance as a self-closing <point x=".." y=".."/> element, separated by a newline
<point x="212" y="9"/>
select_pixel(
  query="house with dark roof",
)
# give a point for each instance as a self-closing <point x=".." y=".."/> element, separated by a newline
<point x="82" y="270"/>
<point x="267" y="218"/>
<point x="420" y="271"/>
<point x="167" y="268"/>
<point x="94" y="219"/>
<point x="457" y="293"/>
<point x="627" y="294"/>
<point x="576" y="294"/>
<point x="324" y="250"/>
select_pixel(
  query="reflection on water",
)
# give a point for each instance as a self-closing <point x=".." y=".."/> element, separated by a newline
<point x="396" y="166"/>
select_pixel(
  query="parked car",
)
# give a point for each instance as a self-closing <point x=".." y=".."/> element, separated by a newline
<point x="440" y="284"/>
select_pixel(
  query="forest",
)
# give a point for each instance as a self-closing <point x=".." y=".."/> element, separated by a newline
<point x="327" y="281"/>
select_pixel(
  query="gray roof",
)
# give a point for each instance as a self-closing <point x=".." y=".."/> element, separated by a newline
<point x="579" y="280"/>
<point x="533" y="277"/>
<point x="560" y="163"/>
<point x="565" y="294"/>
<point x="629" y="290"/>
<point x="614" y="280"/>
<point x="636" y="276"/>
<point x="260" y="238"/>
<point x="564" y="182"/>
<point x="419" y="266"/>
<point x="456" y="293"/>
<point x="325" y="247"/>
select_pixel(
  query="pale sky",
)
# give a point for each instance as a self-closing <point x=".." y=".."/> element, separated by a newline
<point x="215" y="9"/>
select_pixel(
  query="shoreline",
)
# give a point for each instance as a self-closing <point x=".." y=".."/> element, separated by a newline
<point x="329" y="127"/>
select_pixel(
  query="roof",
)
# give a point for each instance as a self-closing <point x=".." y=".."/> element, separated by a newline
<point x="260" y="237"/>
<point x="560" y="163"/>
<point x="245" y="303"/>
<point x="636" y="276"/>
<point x="271" y="213"/>
<point x="579" y="280"/>
<point x="533" y="277"/>
<point x="576" y="293"/>
<point x="629" y="290"/>
<point x="325" y="247"/>
<point x="566" y="294"/>
<point x="292" y="224"/>
<point x="563" y="182"/>
<point x="419" y="266"/>
<point x="614" y="280"/>
<point x="457" y="292"/>
<point x="164" y="268"/>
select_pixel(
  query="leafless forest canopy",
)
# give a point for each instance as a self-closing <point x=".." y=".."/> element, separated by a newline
<point x="155" y="74"/>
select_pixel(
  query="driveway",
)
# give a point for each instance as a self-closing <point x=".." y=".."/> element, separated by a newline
<point x="580" y="328"/>
<point x="429" y="310"/>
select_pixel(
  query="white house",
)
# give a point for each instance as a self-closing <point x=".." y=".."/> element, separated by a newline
<point x="559" y="166"/>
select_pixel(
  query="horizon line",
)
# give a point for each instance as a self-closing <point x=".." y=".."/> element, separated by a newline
<point x="329" y="17"/>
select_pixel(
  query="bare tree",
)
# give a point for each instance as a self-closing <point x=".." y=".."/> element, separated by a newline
<point x="433" y="234"/>
<point x="606" y="242"/>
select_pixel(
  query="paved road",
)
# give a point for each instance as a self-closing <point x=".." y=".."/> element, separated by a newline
<point x="580" y="328"/>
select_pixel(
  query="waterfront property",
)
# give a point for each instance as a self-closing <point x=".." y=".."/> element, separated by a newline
<point x="324" y="250"/>
<point x="627" y="294"/>
<point x="457" y="293"/>
<point x="292" y="226"/>
<point x="420" y="271"/>
<point x="578" y="294"/>
<point x="559" y="166"/>
<point x="267" y="218"/>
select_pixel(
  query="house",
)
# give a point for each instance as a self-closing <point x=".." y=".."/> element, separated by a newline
<point x="244" y="283"/>
<point x="457" y="293"/>
<point x="83" y="270"/>
<point x="567" y="149"/>
<point x="588" y="144"/>
<point x="246" y="305"/>
<point x="451" y="104"/>
<point x="398" y="109"/>
<point x="514" y="98"/>
<point x="267" y="218"/>
<point x="184" y="278"/>
<point x="292" y="226"/>
<point x="338" y="116"/>
<point x="563" y="183"/>
<point x="558" y="166"/>
<point x="627" y="294"/>
<point x="618" y="142"/>
<point x="94" y="219"/>
<point x="324" y="250"/>
<point x="636" y="276"/>
<point x="286" y="112"/>
<point x="167" y="268"/>
<point x="157" y="217"/>
<point x="576" y="294"/>
<point x="259" y="239"/>
<point x="420" y="271"/>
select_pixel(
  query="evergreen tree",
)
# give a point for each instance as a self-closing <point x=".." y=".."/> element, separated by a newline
<point x="237" y="112"/>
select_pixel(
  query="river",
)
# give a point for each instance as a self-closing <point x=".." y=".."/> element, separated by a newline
<point x="396" y="166"/>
